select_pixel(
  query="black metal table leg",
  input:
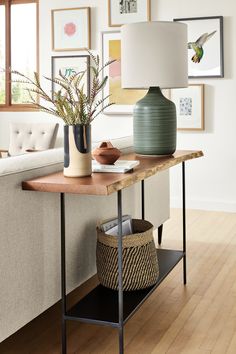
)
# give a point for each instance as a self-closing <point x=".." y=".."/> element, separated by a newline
<point x="160" y="230"/>
<point x="143" y="199"/>
<point x="63" y="274"/>
<point x="120" y="273"/>
<point x="184" y="224"/>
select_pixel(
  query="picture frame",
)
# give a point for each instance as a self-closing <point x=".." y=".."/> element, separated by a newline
<point x="70" y="65"/>
<point x="189" y="107"/>
<point x="205" y="46"/>
<point x="124" y="98"/>
<point x="121" y="12"/>
<point x="71" y="29"/>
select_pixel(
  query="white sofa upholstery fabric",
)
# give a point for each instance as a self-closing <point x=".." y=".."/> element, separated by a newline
<point x="34" y="136"/>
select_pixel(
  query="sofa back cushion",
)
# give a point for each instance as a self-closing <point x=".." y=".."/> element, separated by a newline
<point x="34" y="136"/>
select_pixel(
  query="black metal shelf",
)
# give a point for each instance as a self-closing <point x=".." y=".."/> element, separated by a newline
<point x="100" y="306"/>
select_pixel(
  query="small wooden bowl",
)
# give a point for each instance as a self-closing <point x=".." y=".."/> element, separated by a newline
<point x="106" y="153"/>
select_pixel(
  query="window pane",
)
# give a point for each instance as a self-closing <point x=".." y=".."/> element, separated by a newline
<point x="23" y="46"/>
<point x="2" y="54"/>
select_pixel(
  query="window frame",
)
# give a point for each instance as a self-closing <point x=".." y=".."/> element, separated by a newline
<point x="8" y="106"/>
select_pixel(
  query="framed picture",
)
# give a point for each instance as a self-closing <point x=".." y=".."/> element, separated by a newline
<point x="128" y="11"/>
<point x="189" y="107"/>
<point x="70" y="65"/>
<point x="205" y="46"/>
<point x="70" y="29"/>
<point x="124" y="99"/>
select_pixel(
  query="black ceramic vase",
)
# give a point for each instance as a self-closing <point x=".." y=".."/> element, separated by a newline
<point x="77" y="150"/>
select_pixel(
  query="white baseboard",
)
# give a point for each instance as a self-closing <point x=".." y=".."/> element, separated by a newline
<point x="214" y="205"/>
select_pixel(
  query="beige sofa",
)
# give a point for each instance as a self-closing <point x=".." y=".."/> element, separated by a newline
<point x="30" y="239"/>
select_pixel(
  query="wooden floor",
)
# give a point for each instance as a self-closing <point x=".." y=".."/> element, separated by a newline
<point x="193" y="319"/>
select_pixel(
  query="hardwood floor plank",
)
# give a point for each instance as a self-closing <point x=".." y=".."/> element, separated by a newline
<point x="199" y="318"/>
<point x="232" y="346"/>
<point x="223" y="341"/>
<point x="176" y="326"/>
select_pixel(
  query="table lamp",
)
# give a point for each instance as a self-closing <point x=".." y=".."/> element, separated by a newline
<point x="154" y="56"/>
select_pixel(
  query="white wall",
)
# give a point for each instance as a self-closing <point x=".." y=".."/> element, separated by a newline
<point x="210" y="180"/>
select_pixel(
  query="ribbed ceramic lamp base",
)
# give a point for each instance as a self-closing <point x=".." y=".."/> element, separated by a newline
<point x="154" y="124"/>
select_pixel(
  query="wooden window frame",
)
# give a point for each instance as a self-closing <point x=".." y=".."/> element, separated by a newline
<point x="8" y="106"/>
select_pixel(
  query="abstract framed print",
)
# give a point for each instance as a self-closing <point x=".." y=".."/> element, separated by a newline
<point x="70" y="29"/>
<point x="205" y="46"/>
<point x="70" y="65"/>
<point x="128" y="11"/>
<point x="124" y="99"/>
<point x="189" y="107"/>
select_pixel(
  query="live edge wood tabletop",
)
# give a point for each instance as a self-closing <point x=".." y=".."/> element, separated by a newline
<point x="108" y="183"/>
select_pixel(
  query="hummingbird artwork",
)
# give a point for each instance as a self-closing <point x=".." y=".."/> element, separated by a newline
<point x="198" y="46"/>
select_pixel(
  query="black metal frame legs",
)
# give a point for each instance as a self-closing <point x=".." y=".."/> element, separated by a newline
<point x="143" y="199"/>
<point x="120" y="273"/>
<point x="159" y="231"/>
<point x="120" y="325"/>
<point x="63" y="274"/>
<point x="184" y="224"/>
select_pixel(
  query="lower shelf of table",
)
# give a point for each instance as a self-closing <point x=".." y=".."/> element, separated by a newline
<point x="100" y="306"/>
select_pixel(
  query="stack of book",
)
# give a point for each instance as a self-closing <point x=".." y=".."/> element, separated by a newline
<point x="120" y="166"/>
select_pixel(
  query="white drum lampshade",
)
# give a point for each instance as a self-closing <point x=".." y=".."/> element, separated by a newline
<point x="154" y="56"/>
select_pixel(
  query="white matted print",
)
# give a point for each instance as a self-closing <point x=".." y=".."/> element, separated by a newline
<point x="205" y="46"/>
<point x="71" y="29"/>
<point x="70" y="65"/>
<point x="128" y="11"/>
<point x="189" y="107"/>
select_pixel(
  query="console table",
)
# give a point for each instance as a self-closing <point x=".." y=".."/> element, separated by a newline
<point x="104" y="306"/>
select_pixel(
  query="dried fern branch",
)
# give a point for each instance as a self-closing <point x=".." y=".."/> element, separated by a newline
<point x="69" y="101"/>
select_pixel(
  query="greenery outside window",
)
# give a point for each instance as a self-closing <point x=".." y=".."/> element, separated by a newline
<point x="18" y="50"/>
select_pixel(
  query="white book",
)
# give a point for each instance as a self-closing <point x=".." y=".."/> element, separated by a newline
<point x="126" y="229"/>
<point x="120" y="166"/>
<point x="113" y="222"/>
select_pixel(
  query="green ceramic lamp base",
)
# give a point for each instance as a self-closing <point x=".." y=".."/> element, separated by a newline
<point x="154" y="124"/>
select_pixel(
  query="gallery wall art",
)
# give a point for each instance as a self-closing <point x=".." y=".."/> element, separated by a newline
<point x="124" y="99"/>
<point x="71" y="65"/>
<point x="71" y="29"/>
<point x="205" y="46"/>
<point x="128" y="11"/>
<point x="189" y="107"/>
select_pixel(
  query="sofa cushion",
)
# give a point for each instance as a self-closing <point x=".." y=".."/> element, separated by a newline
<point x="34" y="136"/>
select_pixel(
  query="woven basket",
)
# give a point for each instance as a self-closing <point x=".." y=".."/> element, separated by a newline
<point x="140" y="264"/>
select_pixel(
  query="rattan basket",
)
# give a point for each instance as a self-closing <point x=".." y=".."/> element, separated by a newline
<point x="140" y="263"/>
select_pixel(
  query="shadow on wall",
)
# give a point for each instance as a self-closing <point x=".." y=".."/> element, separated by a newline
<point x="209" y="108"/>
<point x="229" y="61"/>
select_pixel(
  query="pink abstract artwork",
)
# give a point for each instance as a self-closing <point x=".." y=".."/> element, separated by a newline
<point x="115" y="69"/>
<point x="70" y="29"/>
